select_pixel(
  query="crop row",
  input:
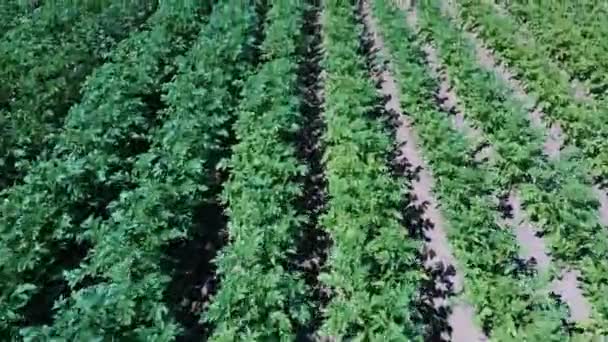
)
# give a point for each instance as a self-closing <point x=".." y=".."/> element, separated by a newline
<point x="486" y="100"/>
<point x="261" y="297"/>
<point x="373" y="272"/>
<point x="171" y="181"/>
<point x="44" y="62"/>
<point x="64" y="197"/>
<point x="573" y="39"/>
<point x="509" y="302"/>
<point x="556" y="193"/>
<point x="585" y="123"/>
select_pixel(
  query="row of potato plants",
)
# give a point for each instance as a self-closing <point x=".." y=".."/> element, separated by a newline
<point x="62" y="195"/>
<point x="261" y="297"/>
<point x="171" y="181"/>
<point x="44" y="63"/>
<point x="556" y="193"/>
<point x="575" y="42"/>
<point x="510" y="303"/>
<point x="373" y="271"/>
<point x="584" y="122"/>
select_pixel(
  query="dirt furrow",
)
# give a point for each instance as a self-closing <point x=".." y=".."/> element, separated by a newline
<point x="567" y="286"/>
<point x="580" y="91"/>
<point x="194" y="278"/>
<point x="448" y="99"/>
<point x="603" y="197"/>
<point x="533" y="246"/>
<point x="461" y="318"/>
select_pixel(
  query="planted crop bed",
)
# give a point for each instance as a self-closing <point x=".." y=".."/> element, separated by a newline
<point x="315" y="170"/>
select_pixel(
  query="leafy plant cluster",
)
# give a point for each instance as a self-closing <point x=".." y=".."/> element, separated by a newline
<point x="44" y="63"/>
<point x="556" y="193"/>
<point x="373" y="272"/>
<point x="63" y="197"/>
<point x="584" y="122"/>
<point x="171" y="181"/>
<point x="509" y="301"/>
<point x="574" y="34"/>
<point x="261" y="296"/>
<point x="12" y="12"/>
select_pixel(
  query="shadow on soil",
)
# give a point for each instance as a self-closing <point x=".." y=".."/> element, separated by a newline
<point x="193" y="274"/>
<point x="313" y="242"/>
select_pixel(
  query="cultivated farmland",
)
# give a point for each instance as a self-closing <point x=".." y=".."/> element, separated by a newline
<point x="311" y="170"/>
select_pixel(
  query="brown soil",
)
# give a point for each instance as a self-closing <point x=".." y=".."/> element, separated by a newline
<point x="567" y="287"/>
<point x="603" y="197"/>
<point x="313" y="242"/>
<point x="533" y="246"/>
<point x="194" y="279"/>
<point x="466" y="331"/>
<point x="554" y="141"/>
<point x="580" y="91"/>
<point x="461" y="317"/>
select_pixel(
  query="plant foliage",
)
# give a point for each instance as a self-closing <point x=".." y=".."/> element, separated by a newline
<point x="509" y="302"/>
<point x="584" y="122"/>
<point x="373" y="271"/>
<point x="171" y="181"/>
<point x="63" y="197"/>
<point x="44" y="63"/>
<point x="260" y="297"/>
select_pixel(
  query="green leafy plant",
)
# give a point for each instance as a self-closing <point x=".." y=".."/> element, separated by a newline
<point x="45" y="61"/>
<point x="62" y="197"/>
<point x="171" y="181"/>
<point x="572" y="33"/>
<point x="558" y="197"/>
<point x="584" y="122"/>
<point x="260" y="296"/>
<point x="13" y="12"/>
<point x="373" y="272"/>
<point x="509" y="302"/>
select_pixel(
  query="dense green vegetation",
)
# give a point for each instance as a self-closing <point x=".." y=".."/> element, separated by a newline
<point x="170" y="182"/>
<point x="261" y="297"/>
<point x="155" y="181"/>
<point x="44" y="62"/>
<point x="64" y="197"/>
<point x="372" y="265"/>
<point x="13" y="12"/>
<point x="573" y="34"/>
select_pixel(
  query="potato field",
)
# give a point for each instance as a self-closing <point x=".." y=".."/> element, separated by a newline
<point x="303" y="170"/>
